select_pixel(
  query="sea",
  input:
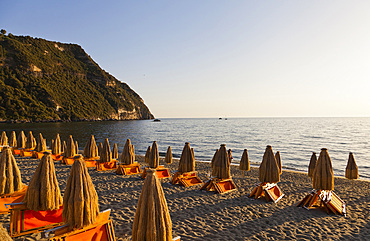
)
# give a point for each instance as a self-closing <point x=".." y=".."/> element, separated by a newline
<point x="295" y="138"/>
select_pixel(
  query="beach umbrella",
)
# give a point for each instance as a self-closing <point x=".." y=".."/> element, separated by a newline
<point x="4" y="139"/>
<point x="57" y="146"/>
<point x="152" y="218"/>
<point x="278" y="160"/>
<point x="100" y="148"/>
<point x="43" y="192"/>
<point x="41" y="143"/>
<point x="323" y="176"/>
<point x="76" y="147"/>
<point x="115" y="151"/>
<point x="312" y="165"/>
<point x="128" y="154"/>
<point x="213" y="159"/>
<point x="221" y="165"/>
<point x="187" y="161"/>
<point x="13" y="139"/>
<point x="351" y="169"/>
<point x="106" y="153"/>
<point x="70" y="150"/>
<point x="30" y="143"/>
<point x="91" y="150"/>
<point x="64" y="147"/>
<point x="168" y="158"/>
<point x="244" y="164"/>
<point x="269" y="169"/>
<point x="154" y="156"/>
<point x="80" y="201"/>
<point x="10" y="176"/>
<point x="147" y="154"/>
<point x="21" y="141"/>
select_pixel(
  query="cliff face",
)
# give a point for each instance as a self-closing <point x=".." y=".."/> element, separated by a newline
<point x="44" y="80"/>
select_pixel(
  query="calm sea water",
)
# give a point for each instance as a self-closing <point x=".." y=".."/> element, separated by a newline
<point x="295" y="138"/>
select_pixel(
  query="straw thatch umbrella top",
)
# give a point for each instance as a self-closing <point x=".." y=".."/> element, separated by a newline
<point x="106" y="154"/>
<point x="64" y="147"/>
<point x="70" y="151"/>
<point x="154" y="156"/>
<point x="152" y="219"/>
<point x="57" y="146"/>
<point x="41" y="143"/>
<point x="10" y="176"/>
<point x="21" y="141"/>
<point x="80" y="201"/>
<point x="76" y="147"/>
<point x="168" y="158"/>
<point x="13" y="139"/>
<point x="128" y="153"/>
<point x="244" y="162"/>
<point x="351" y="169"/>
<point x="91" y="150"/>
<point x="100" y="148"/>
<point x="43" y="192"/>
<point x="4" y="139"/>
<point x="147" y="154"/>
<point x="115" y="151"/>
<point x="269" y="169"/>
<point x="187" y="161"/>
<point x="323" y="176"/>
<point x="30" y="144"/>
<point x="213" y="159"/>
<point x="278" y="160"/>
<point x="312" y="165"/>
<point x="221" y="165"/>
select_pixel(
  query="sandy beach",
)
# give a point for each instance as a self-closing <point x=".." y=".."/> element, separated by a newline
<point x="201" y="215"/>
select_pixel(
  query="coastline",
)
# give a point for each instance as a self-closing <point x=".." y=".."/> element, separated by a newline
<point x="201" y="215"/>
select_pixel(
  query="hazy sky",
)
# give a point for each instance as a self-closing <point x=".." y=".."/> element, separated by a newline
<point x="218" y="58"/>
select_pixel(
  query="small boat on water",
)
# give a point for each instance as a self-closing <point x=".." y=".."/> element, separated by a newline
<point x="156" y="120"/>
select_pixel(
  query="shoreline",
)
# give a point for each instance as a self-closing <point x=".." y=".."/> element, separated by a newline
<point x="202" y="215"/>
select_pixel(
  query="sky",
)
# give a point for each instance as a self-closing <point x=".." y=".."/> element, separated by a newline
<point x="214" y="58"/>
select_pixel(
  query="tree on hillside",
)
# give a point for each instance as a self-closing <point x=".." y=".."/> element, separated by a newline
<point x="3" y="31"/>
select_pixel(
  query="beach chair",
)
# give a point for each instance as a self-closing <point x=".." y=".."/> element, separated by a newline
<point x="161" y="172"/>
<point x="58" y="157"/>
<point x="270" y="191"/>
<point x="16" y="151"/>
<point x="15" y="197"/>
<point x="326" y="199"/>
<point x="106" y="166"/>
<point x="24" y="221"/>
<point x="128" y="169"/>
<point x="39" y="155"/>
<point x="186" y="179"/>
<point x="221" y="186"/>
<point x="26" y="153"/>
<point x="101" y="230"/>
<point x="91" y="162"/>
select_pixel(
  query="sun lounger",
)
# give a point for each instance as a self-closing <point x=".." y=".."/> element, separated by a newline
<point x="24" y="221"/>
<point x="106" y="166"/>
<point x="26" y="153"/>
<point x="186" y="179"/>
<point x="270" y="191"/>
<point x="128" y="169"/>
<point x="16" y="151"/>
<point x="15" y="197"/>
<point x="161" y="172"/>
<point x="57" y="157"/>
<point x="221" y="186"/>
<point x="101" y="230"/>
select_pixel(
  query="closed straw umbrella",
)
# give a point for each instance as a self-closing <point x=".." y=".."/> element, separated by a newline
<point x="13" y="139"/>
<point x="80" y="201"/>
<point x="76" y="147"/>
<point x="91" y="150"/>
<point x="187" y="161"/>
<point x="106" y="155"/>
<point x="213" y="159"/>
<point x="30" y="144"/>
<point x="43" y="192"/>
<point x="154" y="156"/>
<point x="351" y="169"/>
<point x="323" y="176"/>
<point x="70" y="151"/>
<point x="64" y="147"/>
<point x="244" y="164"/>
<point x="21" y="141"/>
<point x="152" y="218"/>
<point x="4" y="139"/>
<point x="100" y="148"/>
<point x="278" y="160"/>
<point x="41" y="143"/>
<point x="312" y="165"/>
<point x="269" y="169"/>
<point x="221" y="165"/>
<point x="128" y="154"/>
<point x="115" y="151"/>
<point x="10" y="176"/>
<point x="168" y="158"/>
<point x="57" y="147"/>
<point x="147" y="154"/>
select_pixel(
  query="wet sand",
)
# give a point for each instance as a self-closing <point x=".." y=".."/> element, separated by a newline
<point x="202" y="215"/>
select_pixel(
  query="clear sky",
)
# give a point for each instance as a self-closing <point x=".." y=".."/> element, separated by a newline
<point x="218" y="58"/>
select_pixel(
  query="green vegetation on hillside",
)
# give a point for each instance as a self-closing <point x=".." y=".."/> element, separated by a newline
<point x="45" y="80"/>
